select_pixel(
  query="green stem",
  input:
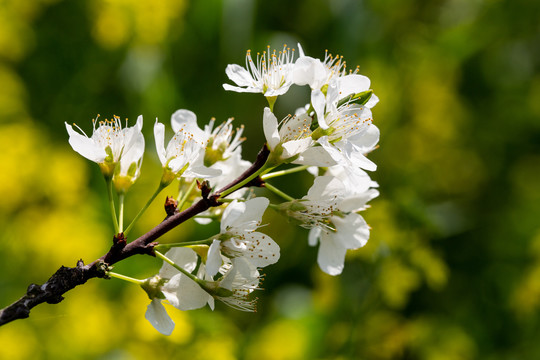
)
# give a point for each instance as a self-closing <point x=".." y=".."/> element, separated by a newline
<point x="271" y="101"/>
<point x="158" y="190"/>
<point x="264" y="169"/>
<point x="125" y="278"/>
<point x="108" y="180"/>
<point x="170" y="262"/>
<point x="284" y="172"/>
<point x="182" y="201"/>
<point x="121" y="212"/>
<point x="167" y="247"/>
<point x="275" y="190"/>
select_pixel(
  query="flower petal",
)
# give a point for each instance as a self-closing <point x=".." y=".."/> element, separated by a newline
<point x="159" y="136"/>
<point x="184" y="293"/>
<point x="309" y="71"/>
<point x="85" y="146"/>
<point x="315" y="156"/>
<point x="238" y="75"/>
<point x="331" y="255"/>
<point x="270" y="127"/>
<point x="352" y="231"/>
<point x="353" y="84"/>
<point x="318" y="100"/>
<point x="261" y="250"/>
<point x="213" y="260"/>
<point x="158" y="317"/>
<point x="241" y="217"/>
<point x="184" y="257"/>
<point x="295" y="147"/>
<point x="186" y="120"/>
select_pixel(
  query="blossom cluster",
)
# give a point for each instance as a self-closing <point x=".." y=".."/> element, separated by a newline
<point x="329" y="137"/>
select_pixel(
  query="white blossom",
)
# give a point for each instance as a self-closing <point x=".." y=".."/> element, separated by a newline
<point x="329" y="210"/>
<point x="239" y="278"/>
<point x="109" y="143"/>
<point x="329" y="81"/>
<point x="184" y="155"/>
<point x="238" y="237"/>
<point x="219" y="141"/>
<point x="270" y="74"/>
<point x="291" y="140"/>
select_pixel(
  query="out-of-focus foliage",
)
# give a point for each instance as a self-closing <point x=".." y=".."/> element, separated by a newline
<point x="452" y="269"/>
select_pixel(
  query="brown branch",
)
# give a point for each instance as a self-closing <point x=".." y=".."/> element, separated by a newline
<point x="67" y="278"/>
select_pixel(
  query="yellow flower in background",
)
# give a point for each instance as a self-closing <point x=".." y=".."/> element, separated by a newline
<point x="142" y="22"/>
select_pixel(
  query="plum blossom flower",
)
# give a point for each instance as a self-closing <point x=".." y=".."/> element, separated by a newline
<point x="270" y="74"/>
<point x="184" y="155"/>
<point x="238" y="237"/>
<point x="109" y="143"/>
<point x="129" y="166"/>
<point x="291" y="140"/>
<point x="329" y="81"/>
<point x="329" y="211"/>
<point x="219" y="141"/>
<point x="350" y="136"/>
<point x="239" y="278"/>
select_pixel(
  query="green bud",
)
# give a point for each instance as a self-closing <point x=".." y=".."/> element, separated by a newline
<point x="360" y="98"/>
<point x="212" y="156"/>
<point x="132" y="169"/>
<point x="324" y="89"/>
<point x="153" y="285"/>
<point x="110" y="156"/>
<point x="122" y="183"/>
<point x="167" y="177"/>
<point x="107" y="168"/>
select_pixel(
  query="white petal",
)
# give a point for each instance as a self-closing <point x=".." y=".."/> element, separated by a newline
<point x="325" y="188"/>
<point x="318" y="100"/>
<point x="184" y="293"/>
<point x="158" y="317"/>
<point x="373" y="100"/>
<point x="300" y="50"/>
<point x="243" y="216"/>
<point x="139" y="124"/>
<point x="211" y="303"/>
<point x="314" y="235"/>
<point x="270" y="127"/>
<point x="201" y="172"/>
<point x="309" y="71"/>
<point x="316" y="156"/>
<point x="241" y="89"/>
<point x="359" y="201"/>
<point x="331" y="255"/>
<point x="159" y="136"/>
<point x="352" y="231"/>
<point x="184" y="257"/>
<point x="279" y="91"/>
<point x="85" y="146"/>
<point x="313" y="170"/>
<point x="186" y="120"/>
<point x="353" y="84"/>
<point x="362" y="161"/>
<point x="239" y="75"/>
<point x="367" y="140"/>
<point x="213" y="260"/>
<point x="295" y="147"/>
<point x="263" y="251"/>
<point x="332" y="95"/>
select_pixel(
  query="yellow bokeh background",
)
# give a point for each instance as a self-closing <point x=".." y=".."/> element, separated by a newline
<point x="452" y="267"/>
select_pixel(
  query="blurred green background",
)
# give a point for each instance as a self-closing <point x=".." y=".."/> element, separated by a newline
<point x="452" y="269"/>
